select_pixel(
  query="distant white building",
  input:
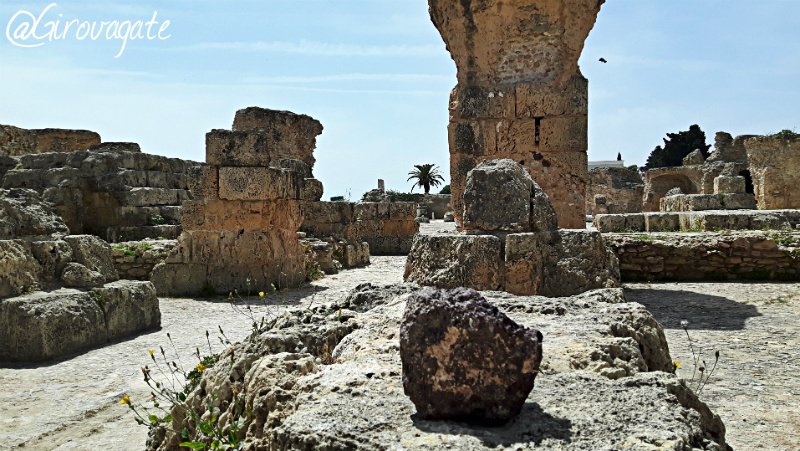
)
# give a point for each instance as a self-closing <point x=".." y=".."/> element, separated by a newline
<point x="606" y="164"/>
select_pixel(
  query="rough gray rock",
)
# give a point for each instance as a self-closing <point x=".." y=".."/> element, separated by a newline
<point x="451" y="261"/>
<point x="500" y="195"/>
<point x="24" y="214"/>
<point x="376" y="195"/>
<point x="596" y="390"/>
<point x="93" y="253"/>
<point x="464" y="359"/>
<point x="694" y="158"/>
<point x="46" y="325"/>
<point x="448" y="217"/>
<point x="78" y="276"/>
<point x="19" y="271"/>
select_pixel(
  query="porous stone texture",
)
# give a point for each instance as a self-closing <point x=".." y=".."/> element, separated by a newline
<point x="695" y="157"/>
<point x="332" y="254"/>
<point x="520" y="93"/>
<point x="387" y="227"/>
<point x="46" y="325"/>
<point x="19" y="271"/>
<point x="603" y="354"/>
<point x="79" y="276"/>
<point x="705" y="221"/>
<point x="242" y="233"/>
<point x="116" y="146"/>
<point x="557" y="263"/>
<point x="376" y="195"/>
<point x="500" y="195"/>
<point x="774" y="166"/>
<point x="622" y="188"/>
<point x="728" y="149"/>
<point x="15" y="141"/>
<point x="23" y="213"/>
<point x="708" y="256"/>
<point x="116" y="194"/>
<point x="464" y="359"/>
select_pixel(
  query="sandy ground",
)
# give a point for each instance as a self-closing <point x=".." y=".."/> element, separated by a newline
<point x="73" y="403"/>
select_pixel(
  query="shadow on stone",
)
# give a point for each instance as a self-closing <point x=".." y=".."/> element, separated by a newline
<point x="532" y="424"/>
<point x="703" y="311"/>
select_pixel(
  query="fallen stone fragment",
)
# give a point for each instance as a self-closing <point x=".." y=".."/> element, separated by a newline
<point x="463" y="358"/>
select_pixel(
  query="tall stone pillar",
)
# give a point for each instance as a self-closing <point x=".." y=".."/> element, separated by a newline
<point x="520" y="92"/>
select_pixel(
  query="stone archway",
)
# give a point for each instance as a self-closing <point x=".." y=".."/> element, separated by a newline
<point x="749" y="188"/>
<point x="659" y="181"/>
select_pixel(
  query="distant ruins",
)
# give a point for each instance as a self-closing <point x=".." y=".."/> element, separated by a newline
<point x="520" y="93"/>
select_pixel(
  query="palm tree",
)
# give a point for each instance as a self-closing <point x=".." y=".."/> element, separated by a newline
<point x="426" y="175"/>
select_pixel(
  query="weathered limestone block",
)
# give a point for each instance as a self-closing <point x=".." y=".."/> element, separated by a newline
<point x="451" y="261"/>
<point x="46" y="325"/>
<point x="728" y="149"/>
<point x="603" y="354"/>
<point x="19" y="271"/>
<point x="774" y="165"/>
<point x="520" y="94"/>
<point x="562" y="263"/>
<point x="116" y="147"/>
<point x="146" y="196"/>
<point x="94" y="253"/>
<point x="53" y="256"/>
<point x="725" y="185"/>
<point x="259" y="183"/>
<point x="501" y="195"/>
<point x="739" y="201"/>
<point x="293" y="165"/>
<point x="462" y="357"/>
<point x="78" y="276"/>
<point x="16" y="141"/>
<point x="204" y="182"/>
<point x="694" y="158"/>
<point x="661" y="222"/>
<point x="128" y="307"/>
<point x="250" y="216"/>
<point x="312" y="190"/>
<point x="24" y="214"/>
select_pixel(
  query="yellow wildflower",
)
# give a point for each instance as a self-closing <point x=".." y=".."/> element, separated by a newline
<point x="125" y="400"/>
<point x="201" y="368"/>
<point x="151" y="352"/>
<point x="677" y="364"/>
<point x="261" y="294"/>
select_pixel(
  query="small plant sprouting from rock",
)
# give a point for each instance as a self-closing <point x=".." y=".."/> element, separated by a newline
<point x="197" y="432"/>
<point x="701" y="373"/>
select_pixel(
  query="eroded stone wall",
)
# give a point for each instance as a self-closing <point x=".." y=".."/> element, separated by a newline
<point x="118" y="195"/>
<point x="240" y="231"/>
<point x="388" y="227"/>
<point x="708" y="256"/>
<point x="520" y="93"/>
<point x="622" y="188"/>
<point x="775" y="169"/>
<point x="15" y="141"/>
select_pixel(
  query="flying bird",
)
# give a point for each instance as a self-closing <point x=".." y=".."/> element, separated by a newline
<point x="603" y="60"/>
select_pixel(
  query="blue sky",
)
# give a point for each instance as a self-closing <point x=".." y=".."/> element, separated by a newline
<point x="378" y="77"/>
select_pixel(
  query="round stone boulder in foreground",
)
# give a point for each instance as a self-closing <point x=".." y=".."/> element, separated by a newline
<point x="463" y="358"/>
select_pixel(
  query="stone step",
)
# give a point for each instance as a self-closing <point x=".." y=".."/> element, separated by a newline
<point x="118" y="234"/>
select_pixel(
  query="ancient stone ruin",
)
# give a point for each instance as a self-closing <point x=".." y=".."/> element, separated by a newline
<point x="463" y="358"/>
<point x="520" y="93"/>
<point x="111" y="190"/>
<point x="620" y="191"/>
<point x="774" y="166"/>
<point x="59" y="293"/>
<point x="511" y="242"/>
<point x="240" y="231"/>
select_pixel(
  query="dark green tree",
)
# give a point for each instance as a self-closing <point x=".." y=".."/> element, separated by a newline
<point x="425" y="176"/>
<point x="445" y="190"/>
<point x="676" y="147"/>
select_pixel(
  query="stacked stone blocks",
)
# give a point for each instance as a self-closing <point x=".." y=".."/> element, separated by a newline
<point x="242" y="224"/>
<point x="520" y="94"/>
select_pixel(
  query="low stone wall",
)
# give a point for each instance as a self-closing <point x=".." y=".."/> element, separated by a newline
<point x="388" y="228"/>
<point x="135" y="260"/>
<point x="769" y="255"/>
<point x="117" y="195"/>
<point x="623" y="189"/>
<point x="699" y="221"/>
